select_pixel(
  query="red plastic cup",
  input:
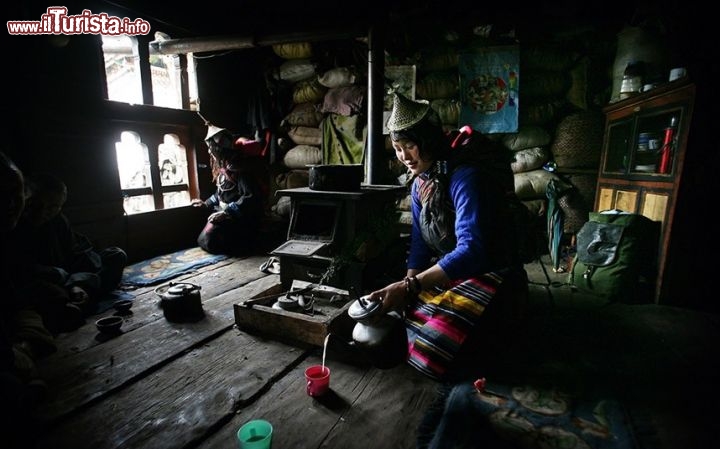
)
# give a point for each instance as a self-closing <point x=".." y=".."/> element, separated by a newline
<point x="318" y="380"/>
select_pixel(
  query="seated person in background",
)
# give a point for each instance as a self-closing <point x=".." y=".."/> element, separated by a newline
<point x="23" y="337"/>
<point x="63" y="258"/>
<point x="464" y="271"/>
<point x="236" y="205"/>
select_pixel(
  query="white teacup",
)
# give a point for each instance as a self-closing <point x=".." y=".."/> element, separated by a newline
<point x="677" y="73"/>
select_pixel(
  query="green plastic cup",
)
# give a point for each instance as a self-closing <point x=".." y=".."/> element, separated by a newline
<point x="255" y="434"/>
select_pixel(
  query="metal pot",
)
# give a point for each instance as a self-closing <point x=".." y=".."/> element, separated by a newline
<point x="381" y="336"/>
<point x="181" y="302"/>
<point x="336" y="177"/>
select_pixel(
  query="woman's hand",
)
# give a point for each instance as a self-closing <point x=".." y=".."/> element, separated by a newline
<point x="197" y="202"/>
<point x="217" y="217"/>
<point x="78" y="294"/>
<point x="393" y="297"/>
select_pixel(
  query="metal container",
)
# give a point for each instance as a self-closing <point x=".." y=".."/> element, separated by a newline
<point x="381" y="336"/>
<point x="181" y="302"/>
<point x="339" y="178"/>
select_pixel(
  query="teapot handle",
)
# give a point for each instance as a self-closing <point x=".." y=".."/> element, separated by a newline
<point x="363" y="301"/>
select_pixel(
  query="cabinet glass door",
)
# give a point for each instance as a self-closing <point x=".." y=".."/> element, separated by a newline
<point x="618" y="145"/>
<point x="656" y="143"/>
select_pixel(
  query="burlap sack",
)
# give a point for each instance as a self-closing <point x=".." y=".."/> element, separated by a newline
<point x="537" y="207"/>
<point x="304" y="114"/>
<point x="545" y="84"/>
<point x="306" y="135"/>
<point x="528" y="136"/>
<point x="545" y="57"/>
<point x="338" y="77"/>
<point x="308" y="91"/>
<point x="529" y="159"/>
<point x="293" y="50"/>
<point x="540" y="112"/>
<point x="295" y="70"/>
<point x="533" y="184"/>
<point x="345" y="101"/>
<point x="293" y="179"/>
<point x="301" y="156"/>
<point x="437" y="59"/>
<point x="448" y="110"/>
<point x="437" y="85"/>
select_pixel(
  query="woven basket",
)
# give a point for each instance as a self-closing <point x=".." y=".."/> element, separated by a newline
<point x="586" y="186"/>
<point x="574" y="210"/>
<point x="578" y="140"/>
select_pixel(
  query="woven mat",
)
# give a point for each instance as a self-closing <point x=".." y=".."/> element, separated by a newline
<point x="523" y="417"/>
<point x="163" y="268"/>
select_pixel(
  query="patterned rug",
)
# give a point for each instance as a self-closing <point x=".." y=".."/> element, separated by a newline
<point x="500" y="416"/>
<point x="163" y="268"/>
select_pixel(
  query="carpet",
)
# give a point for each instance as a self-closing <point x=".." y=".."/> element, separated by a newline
<point x="162" y="268"/>
<point x="523" y="417"/>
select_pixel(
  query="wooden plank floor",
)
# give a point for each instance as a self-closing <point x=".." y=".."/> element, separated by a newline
<point x="168" y="385"/>
<point x="180" y="385"/>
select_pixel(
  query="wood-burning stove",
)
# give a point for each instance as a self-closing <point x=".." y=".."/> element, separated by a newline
<point x="325" y="226"/>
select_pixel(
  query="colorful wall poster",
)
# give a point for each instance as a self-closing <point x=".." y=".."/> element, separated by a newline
<point x="489" y="83"/>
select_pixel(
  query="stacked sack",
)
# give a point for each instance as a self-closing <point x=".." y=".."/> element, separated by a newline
<point x="299" y="135"/>
<point x="344" y="106"/>
<point x="438" y="83"/>
<point x="324" y="125"/>
<point x="531" y="153"/>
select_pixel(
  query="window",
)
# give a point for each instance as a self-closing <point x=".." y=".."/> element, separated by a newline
<point x="155" y="178"/>
<point x="169" y="87"/>
<point x="153" y="97"/>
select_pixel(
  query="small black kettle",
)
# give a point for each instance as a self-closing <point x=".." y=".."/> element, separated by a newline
<point x="380" y="336"/>
<point x="181" y="302"/>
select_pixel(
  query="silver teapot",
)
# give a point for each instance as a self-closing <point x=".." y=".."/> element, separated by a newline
<point x="380" y="336"/>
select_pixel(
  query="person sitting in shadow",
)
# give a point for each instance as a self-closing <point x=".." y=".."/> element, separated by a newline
<point x="69" y="272"/>
<point x="23" y="337"/>
<point x="237" y="205"/>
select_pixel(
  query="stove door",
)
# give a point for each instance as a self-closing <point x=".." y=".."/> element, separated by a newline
<point x="299" y="248"/>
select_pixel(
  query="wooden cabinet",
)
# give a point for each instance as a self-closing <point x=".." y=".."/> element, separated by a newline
<point x="642" y="160"/>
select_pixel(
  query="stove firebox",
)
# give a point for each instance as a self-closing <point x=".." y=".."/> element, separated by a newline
<point x="324" y="225"/>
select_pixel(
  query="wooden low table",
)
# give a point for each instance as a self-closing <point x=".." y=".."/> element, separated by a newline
<point x="328" y="314"/>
